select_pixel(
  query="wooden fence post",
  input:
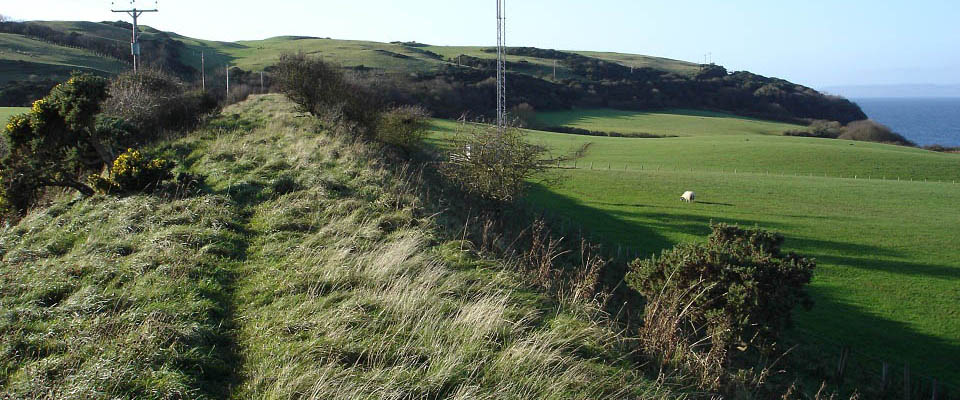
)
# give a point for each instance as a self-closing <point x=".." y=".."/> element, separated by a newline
<point x="885" y="377"/>
<point x="906" y="381"/>
<point x="842" y="364"/>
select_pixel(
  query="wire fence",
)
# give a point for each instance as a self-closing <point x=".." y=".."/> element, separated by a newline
<point x="595" y="166"/>
<point x="846" y="369"/>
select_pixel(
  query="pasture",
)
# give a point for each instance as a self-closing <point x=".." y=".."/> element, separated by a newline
<point x="661" y="123"/>
<point x="7" y="112"/>
<point x="887" y="250"/>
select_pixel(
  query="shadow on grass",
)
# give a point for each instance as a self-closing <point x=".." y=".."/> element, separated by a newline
<point x="833" y="324"/>
<point x="836" y="323"/>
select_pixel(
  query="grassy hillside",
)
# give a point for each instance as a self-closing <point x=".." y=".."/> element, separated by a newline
<point x="255" y="55"/>
<point x="886" y="250"/>
<point x="303" y="267"/>
<point x="22" y="58"/>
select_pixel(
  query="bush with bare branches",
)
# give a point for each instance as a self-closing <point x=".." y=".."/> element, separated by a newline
<point x="492" y="163"/>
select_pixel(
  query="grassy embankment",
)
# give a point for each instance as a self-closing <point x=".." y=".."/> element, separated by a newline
<point x="303" y="267"/>
<point x="887" y="250"/>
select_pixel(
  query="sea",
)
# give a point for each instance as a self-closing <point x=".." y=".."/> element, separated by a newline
<point x="924" y="121"/>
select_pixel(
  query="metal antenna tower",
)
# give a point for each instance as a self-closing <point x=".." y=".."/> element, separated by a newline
<point x="501" y="66"/>
<point x="134" y="42"/>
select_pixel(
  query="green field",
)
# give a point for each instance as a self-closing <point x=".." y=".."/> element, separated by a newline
<point x="7" y="112"/>
<point x="661" y="123"/>
<point x="888" y="270"/>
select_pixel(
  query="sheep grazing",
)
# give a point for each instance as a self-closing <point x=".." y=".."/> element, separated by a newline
<point x="688" y="196"/>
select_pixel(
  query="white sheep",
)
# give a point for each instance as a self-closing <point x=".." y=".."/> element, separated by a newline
<point x="688" y="196"/>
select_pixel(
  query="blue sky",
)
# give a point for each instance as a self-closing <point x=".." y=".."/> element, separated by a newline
<point x="819" y="43"/>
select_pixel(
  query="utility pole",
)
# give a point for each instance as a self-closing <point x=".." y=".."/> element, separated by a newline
<point x="203" y="73"/>
<point x="228" y="80"/>
<point x="134" y="43"/>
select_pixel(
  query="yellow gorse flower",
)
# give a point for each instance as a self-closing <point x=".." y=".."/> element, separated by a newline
<point x="16" y="123"/>
<point x="38" y="106"/>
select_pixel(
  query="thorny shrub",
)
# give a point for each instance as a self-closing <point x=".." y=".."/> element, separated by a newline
<point x="132" y="172"/>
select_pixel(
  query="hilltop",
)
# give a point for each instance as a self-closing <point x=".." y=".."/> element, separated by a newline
<point x="450" y="80"/>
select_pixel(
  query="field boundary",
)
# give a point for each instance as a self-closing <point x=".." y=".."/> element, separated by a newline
<point x="593" y="166"/>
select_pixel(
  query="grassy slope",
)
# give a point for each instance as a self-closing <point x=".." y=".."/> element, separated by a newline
<point x="306" y="269"/>
<point x="116" y="296"/>
<point x="22" y="58"/>
<point x="886" y="249"/>
<point x="255" y="55"/>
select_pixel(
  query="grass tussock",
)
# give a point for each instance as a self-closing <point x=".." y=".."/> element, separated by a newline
<point x="306" y="268"/>
<point x="116" y="296"/>
<point x="352" y="293"/>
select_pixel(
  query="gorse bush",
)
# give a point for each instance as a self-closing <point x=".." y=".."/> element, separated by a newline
<point x="871" y="131"/>
<point x="323" y="90"/>
<point x="403" y="126"/>
<point x="707" y="304"/>
<point x="54" y="144"/>
<point x="739" y="280"/>
<point x="493" y="164"/>
<point x="132" y="172"/>
<point x="819" y="129"/>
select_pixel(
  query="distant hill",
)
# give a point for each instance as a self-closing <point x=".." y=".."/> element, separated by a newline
<point x="450" y="80"/>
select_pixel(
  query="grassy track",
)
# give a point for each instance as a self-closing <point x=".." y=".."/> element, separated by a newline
<point x="887" y="250"/>
<point x="303" y="268"/>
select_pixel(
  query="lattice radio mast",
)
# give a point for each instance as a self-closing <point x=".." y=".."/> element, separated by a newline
<point x="134" y="41"/>
<point x="501" y="66"/>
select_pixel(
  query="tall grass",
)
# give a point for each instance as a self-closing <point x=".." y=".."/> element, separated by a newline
<point x="305" y="266"/>
<point x="350" y="291"/>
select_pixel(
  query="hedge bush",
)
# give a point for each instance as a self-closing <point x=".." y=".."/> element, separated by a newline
<point x="739" y="280"/>
<point x="403" y="126"/>
<point x="323" y="90"/>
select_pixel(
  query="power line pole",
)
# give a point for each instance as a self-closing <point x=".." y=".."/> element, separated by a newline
<point x="203" y="73"/>
<point x="134" y="43"/>
<point x="501" y="67"/>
